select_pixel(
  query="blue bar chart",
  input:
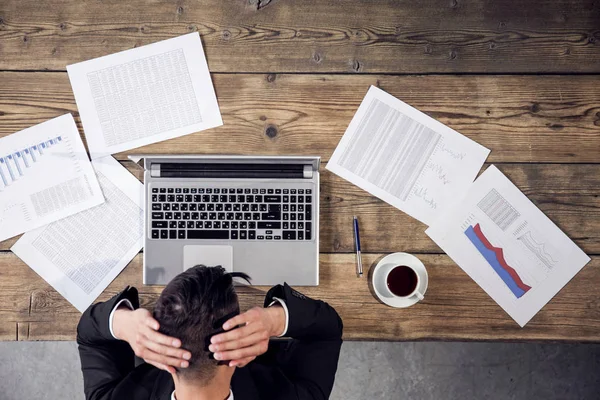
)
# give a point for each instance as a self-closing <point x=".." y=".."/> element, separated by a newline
<point x="14" y="166"/>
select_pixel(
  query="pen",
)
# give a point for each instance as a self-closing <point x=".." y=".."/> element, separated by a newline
<point x="359" y="269"/>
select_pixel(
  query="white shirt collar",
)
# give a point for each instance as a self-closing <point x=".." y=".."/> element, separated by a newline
<point x="229" y="398"/>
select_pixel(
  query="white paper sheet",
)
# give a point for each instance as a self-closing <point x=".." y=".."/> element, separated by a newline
<point x="508" y="246"/>
<point x="80" y="255"/>
<point x="145" y="95"/>
<point x="45" y="175"/>
<point x="405" y="157"/>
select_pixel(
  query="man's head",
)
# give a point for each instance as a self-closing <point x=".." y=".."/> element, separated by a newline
<point x="189" y="307"/>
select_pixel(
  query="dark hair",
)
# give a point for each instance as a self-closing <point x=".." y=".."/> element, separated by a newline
<point x="188" y="308"/>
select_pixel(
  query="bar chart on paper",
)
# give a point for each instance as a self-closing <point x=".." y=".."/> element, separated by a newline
<point x="45" y="175"/>
<point x="15" y="166"/>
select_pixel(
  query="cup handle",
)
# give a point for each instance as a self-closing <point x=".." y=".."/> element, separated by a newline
<point x="419" y="295"/>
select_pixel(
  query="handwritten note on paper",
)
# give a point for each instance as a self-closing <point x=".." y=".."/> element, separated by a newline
<point x="405" y="157"/>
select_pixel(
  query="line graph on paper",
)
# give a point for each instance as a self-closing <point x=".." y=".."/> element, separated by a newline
<point x="539" y="249"/>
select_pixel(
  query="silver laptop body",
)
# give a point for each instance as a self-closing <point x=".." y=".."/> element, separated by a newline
<point x="258" y="215"/>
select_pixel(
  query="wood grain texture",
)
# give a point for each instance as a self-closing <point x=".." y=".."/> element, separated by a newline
<point x="568" y="193"/>
<point x="353" y="36"/>
<point x="520" y="118"/>
<point x="455" y="308"/>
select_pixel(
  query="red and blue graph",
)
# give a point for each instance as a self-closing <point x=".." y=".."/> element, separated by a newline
<point x="495" y="257"/>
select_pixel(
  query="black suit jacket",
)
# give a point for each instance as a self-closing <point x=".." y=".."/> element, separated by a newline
<point x="301" y="368"/>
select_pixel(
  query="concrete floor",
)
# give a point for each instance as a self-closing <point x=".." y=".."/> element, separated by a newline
<point x="446" y="371"/>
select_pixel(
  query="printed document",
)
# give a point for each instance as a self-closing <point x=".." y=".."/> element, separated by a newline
<point x="508" y="246"/>
<point x="45" y="175"/>
<point x="144" y="95"/>
<point x="80" y="255"/>
<point x="405" y="157"/>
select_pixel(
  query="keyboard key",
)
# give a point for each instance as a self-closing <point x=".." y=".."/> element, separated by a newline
<point x="155" y="233"/>
<point x="214" y="198"/>
<point x="293" y="208"/>
<point x="269" y="191"/>
<point x="194" y="190"/>
<point x="203" y="216"/>
<point x="243" y="225"/>
<point x="300" y="217"/>
<point x="254" y="191"/>
<point x="217" y="191"/>
<point x="199" y="224"/>
<point x="170" y="198"/>
<point x="154" y="197"/>
<point x="180" y="234"/>
<point x="251" y="235"/>
<point x="205" y="198"/>
<point x="249" y="199"/>
<point x="197" y="198"/>
<point x="292" y="225"/>
<point x="228" y="207"/>
<point x="277" y="191"/>
<point x="263" y="208"/>
<point x="300" y="225"/>
<point x="254" y="207"/>
<point x="269" y="225"/>
<point x="300" y="191"/>
<point x="237" y="207"/>
<point x="247" y="191"/>
<point x="258" y="199"/>
<point x="274" y="208"/>
<point x="277" y="237"/>
<point x="229" y="216"/>
<point x="308" y="191"/>
<point x="268" y="232"/>
<point x="225" y="224"/>
<point x="232" y="198"/>
<point x="247" y="216"/>
<point x="170" y="190"/>
<point x="201" y="207"/>
<point x="217" y="224"/>
<point x="286" y="191"/>
<point x="300" y="208"/>
<point x="271" y="216"/>
<point x="156" y="206"/>
<point x="190" y="224"/>
<point x="181" y="224"/>
<point x="300" y="235"/>
<point x="256" y="216"/>
<point x="243" y="235"/>
<point x="223" y="198"/>
<point x="210" y="207"/>
<point x="209" y="190"/>
<point x="193" y="207"/>
<point x="308" y="199"/>
<point x="245" y="207"/>
<point x="177" y="215"/>
<point x="308" y="231"/>
<point x="269" y="237"/>
<point x="159" y="224"/>
<point x="172" y="224"/>
<point x="188" y="198"/>
<point x="212" y="234"/>
<point x="172" y="234"/>
<point x="166" y="206"/>
<point x="263" y="191"/>
<point x="272" y="199"/>
<point x="308" y="212"/>
<point x="234" y="234"/>
<point x="239" y="216"/>
<point x="162" y="190"/>
<point x="179" y="198"/>
<point x="157" y="215"/>
<point x="235" y="225"/>
<point x="195" y="216"/>
<point x="293" y="199"/>
<point x="212" y="216"/>
<point x="162" y="198"/>
<point x="289" y="235"/>
<point x="292" y="191"/>
<point x="286" y="216"/>
<point x="186" y="215"/>
<point x="293" y="216"/>
<point x="286" y="225"/>
<point x="300" y="199"/>
<point x="177" y="190"/>
<point x="183" y="207"/>
<point x="208" y="225"/>
<point x="221" y="216"/>
<point x="251" y="225"/>
<point x="286" y="208"/>
<point x="260" y="237"/>
<point x="286" y="199"/>
<point x="219" y="207"/>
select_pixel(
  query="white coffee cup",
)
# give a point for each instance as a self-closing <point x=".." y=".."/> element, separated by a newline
<point x="389" y="264"/>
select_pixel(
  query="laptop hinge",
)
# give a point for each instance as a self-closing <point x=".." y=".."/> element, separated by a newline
<point x="231" y="170"/>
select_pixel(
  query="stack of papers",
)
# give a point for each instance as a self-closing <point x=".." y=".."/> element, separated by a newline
<point x="85" y="221"/>
<point x="488" y="227"/>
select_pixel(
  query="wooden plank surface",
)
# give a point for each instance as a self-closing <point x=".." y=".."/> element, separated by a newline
<point x="568" y="193"/>
<point x="454" y="306"/>
<point x="375" y="36"/>
<point x="521" y="118"/>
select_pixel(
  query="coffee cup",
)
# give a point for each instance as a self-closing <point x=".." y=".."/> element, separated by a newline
<point x="400" y="280"/>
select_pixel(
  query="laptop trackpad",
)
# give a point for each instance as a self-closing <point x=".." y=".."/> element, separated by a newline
<point x="208" y="255"/>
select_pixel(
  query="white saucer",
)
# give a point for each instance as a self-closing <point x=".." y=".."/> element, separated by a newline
<point x="390" y="261"/>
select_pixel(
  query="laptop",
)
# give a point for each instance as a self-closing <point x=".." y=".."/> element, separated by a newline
<point x="258" y="215"/>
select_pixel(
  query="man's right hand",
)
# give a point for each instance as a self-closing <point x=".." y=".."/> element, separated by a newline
<point x="140" y="330"/>
<point x="245" y="343"/>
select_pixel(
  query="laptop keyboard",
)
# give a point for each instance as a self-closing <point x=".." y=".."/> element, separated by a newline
<point x="231" y="213"/>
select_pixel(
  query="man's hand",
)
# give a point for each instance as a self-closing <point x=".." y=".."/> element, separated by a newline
<point x="244" y="344"/>
<point x="140" y="330"/>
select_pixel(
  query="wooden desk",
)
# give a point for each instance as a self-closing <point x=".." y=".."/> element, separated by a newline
<point x="519" y="78"/>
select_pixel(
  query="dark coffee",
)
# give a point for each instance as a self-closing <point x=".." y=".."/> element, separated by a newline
<point x="402" y="280"/>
